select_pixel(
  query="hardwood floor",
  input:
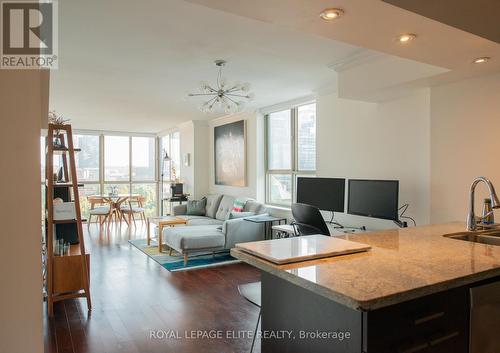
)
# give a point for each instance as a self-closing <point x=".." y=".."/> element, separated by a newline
<point x="133" y="295"/>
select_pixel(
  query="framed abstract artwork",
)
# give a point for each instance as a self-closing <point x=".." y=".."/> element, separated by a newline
<point x="230" y="154"/>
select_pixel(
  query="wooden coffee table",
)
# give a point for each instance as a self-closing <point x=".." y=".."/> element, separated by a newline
<point x="168" y="221"/>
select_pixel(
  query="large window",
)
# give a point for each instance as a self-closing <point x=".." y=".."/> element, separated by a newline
<point x="290" y="151"/>
<point x="129" y="167"/>
<point x="143" y="159"/>
<point x="124" y="163"/>
<point x="170" y="144"/>
<point x="87" y="160"/>
<point x="127" y="163"/>
<point x="116" y="158"/>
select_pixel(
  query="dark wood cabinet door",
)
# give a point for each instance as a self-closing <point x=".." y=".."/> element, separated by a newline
<point x="432" y="324"/>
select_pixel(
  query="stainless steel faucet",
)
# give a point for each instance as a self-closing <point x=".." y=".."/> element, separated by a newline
<point x="495" y="203"/>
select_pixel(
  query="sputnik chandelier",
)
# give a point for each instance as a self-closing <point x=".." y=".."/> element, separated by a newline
<point x="228" y="98"/>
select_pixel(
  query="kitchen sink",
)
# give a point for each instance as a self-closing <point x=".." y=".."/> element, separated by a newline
<point x="491" y="237"/>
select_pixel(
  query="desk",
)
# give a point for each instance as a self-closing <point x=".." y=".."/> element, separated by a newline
<point x="287" y="230"/>
<point x="172" y="199"/>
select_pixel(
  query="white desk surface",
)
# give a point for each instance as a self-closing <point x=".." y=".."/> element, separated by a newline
<point x="333" y="231"/>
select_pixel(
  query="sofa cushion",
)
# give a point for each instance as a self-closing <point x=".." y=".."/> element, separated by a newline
<point x="225" y="206"/>
<point x="204" y="222"/>
<point x="212" y="205"/>
<point x="235" y="215"/>
<point x="99" y="211"/>
<point x="188" y="218"/>
<point x="196" y="207"/>
<point x="255" y="207"/>
<point x="193" y="238"/>
<point x="200" y="220"/>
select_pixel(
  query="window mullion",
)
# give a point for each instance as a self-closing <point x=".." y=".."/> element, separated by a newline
<point x="101" y="162"/>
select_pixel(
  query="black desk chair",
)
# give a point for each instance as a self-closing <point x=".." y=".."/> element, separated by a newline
<point x="308" y="220"/>
<point x="252" y="293"/>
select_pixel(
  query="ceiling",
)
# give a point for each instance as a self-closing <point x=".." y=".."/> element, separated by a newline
<point x="128" y="67"/>
<point x="375" y="25"/>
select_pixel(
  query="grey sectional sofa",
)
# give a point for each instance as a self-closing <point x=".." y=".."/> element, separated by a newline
<point x="215" y="231"/>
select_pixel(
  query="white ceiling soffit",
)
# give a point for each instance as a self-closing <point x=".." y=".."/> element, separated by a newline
<point x="375" y="25"/>
<point x="480" y="17"/>
<point x="375" y="77"/>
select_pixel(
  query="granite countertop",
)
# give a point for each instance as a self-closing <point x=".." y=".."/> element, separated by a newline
<point x="403" y="264"/>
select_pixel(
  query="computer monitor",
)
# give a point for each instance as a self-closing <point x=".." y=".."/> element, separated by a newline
<point x="327" y="194"/>
<point x="176" y="189"/>
<point x="373" y="198"/>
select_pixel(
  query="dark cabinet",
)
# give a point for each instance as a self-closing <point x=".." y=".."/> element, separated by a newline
<point x="437" y="323"/>
<point x="485" y="317"/>
<point x="296" y="320"/>
<point x="434" y="323"/>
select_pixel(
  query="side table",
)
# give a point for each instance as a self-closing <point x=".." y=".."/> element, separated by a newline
<point x="268" y="222"/>
<point x="164" y="221"/>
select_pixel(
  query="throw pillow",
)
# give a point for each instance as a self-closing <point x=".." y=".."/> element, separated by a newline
<point x="234" y="215"/>
<point x="238" y="205"/>
<point x="196" y="207"/>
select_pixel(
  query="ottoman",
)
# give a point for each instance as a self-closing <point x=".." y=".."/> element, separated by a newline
<point x="187" y="240"/>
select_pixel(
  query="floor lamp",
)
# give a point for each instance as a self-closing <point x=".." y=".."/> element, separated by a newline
<point x="165" y="158"/>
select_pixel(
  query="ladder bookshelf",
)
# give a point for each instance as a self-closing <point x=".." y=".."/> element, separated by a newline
<point x="67" y="274"/>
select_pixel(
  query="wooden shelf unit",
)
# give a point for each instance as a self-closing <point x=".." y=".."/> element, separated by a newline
<point x="65" y="274"/>
<point x="66" y="221"/>
<point x="65" y="185"/>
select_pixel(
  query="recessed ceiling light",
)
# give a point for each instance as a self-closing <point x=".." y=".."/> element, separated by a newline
<point x="331" y="14"/>
<point x="481" y="60"/>
<point x="406" y="37"/>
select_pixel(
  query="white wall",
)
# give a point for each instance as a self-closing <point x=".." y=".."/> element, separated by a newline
<point x="389" y="140"/>
<point x="186" y="132"/>
<point x="194" y="140"/>
<point x="253" y="149"/>
<point x="200" y="158"/>
<point x="465" y="143"/>
<point x="434" y="141"/>
<point x="355" y="139"/>
<point x="23" y="109"/>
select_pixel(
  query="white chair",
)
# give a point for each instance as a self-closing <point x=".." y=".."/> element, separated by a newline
<point x="132" y="207"/>
<point x="99" y="209"/>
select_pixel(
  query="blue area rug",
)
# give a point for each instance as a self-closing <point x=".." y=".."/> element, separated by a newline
<point x="176" y="261"/>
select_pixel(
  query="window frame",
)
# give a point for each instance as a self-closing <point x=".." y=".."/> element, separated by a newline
<point x="294" y="145"/>
<point x="130" y="182"/>
<point x="169" y="151"/>
<point x="168" y="171"/>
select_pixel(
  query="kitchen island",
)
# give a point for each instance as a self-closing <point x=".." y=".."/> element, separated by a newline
<point x="410" y="293"/>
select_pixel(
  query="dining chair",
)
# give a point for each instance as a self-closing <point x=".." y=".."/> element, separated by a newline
<point x="98" y="208"/>
<point x="134" y="205"/>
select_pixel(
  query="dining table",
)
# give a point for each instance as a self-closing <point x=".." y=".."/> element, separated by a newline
<point x="115" y="202"/>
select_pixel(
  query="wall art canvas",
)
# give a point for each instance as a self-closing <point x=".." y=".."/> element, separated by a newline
<point x="230" y="154"/>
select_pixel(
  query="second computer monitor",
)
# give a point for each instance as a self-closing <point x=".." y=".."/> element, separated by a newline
<point x="327" y="194"/>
